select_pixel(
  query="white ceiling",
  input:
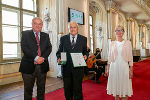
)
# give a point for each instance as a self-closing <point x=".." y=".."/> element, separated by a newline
<point x="129" y="6"/>
<point x="142" y="16"/>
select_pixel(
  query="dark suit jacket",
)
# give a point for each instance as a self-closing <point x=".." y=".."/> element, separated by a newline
<point x="30" y="48"/>
<point x="65" y="46"/>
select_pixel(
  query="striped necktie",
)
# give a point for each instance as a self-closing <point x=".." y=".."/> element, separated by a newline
<point x="38" y="43"/>
<point x="73" y="43"/>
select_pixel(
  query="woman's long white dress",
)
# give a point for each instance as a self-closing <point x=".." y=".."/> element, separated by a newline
<point x="118" y="80"/>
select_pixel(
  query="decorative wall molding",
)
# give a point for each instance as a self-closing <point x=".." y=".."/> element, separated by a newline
<point x="9" y="75"/>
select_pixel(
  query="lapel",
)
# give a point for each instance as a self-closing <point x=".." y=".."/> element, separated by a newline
<point x="68" y="41"/>
<point x="41" y="40"/>
<point x="35" y="41"/>
<point x="33" y="37"/>
<point x="41" y="37"/>
<point x="77" y="42"/>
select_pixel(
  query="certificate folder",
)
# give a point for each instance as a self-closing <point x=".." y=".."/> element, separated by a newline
<point x="62" y="63"/>
<point x="63" y="59"/>
<point x="78" y="59"/>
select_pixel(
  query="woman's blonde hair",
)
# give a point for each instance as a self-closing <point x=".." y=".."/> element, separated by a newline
<point x="119" y="26"/>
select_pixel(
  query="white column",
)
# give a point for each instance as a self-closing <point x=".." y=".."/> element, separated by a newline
<point x="99" y="38"/>
<point x="142" y="35"/>
<point x="148" y="32"/>
<point x="148" y="40"/>
<point x="61" y="16"/>
<point x="139" y="33"/>
<point x="109" y="17"/>
<point x="48" y="13"/>
<point x="140" y="30"/>
<point x="53" y="36"/>
<point x="129" y="28"/>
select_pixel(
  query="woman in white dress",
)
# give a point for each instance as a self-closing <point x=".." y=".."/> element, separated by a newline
<point x="120" y="67"/>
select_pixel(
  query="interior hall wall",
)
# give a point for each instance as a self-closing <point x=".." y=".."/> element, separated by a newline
<point x="103" y="25"/>
<point x="83" y="6"/>
<point x="93" y="14"/>
<point x="9" y="73"/>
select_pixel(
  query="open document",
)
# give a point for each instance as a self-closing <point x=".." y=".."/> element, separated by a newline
<point x="78" y="59"/>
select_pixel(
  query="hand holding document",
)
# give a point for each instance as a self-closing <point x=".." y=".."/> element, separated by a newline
<point x="78" y="59"/>
<point x="63" y="58"/>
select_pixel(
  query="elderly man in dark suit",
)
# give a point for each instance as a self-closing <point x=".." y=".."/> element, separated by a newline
<point x="34" y="65"/>
<point x="72" y="76"/>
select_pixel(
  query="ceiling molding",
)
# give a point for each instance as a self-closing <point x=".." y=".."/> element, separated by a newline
<point x="133" y="10"/>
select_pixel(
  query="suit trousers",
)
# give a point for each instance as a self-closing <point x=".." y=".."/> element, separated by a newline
<point x="73" y="84"/>
<point x="29" y="80"/>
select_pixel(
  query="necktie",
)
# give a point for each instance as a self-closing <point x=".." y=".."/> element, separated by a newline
<point x="38" y="43"/>
<point x="73" y="43"/>
<point x="72" y="40"/>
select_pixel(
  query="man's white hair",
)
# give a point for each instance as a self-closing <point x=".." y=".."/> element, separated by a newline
<point x="36" y="18"/>
<point x="72" y="22"/>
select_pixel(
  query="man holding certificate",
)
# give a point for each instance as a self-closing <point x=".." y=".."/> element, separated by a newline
<point x="72" y="46"/>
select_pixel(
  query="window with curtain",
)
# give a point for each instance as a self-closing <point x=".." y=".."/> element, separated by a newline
<point x="15" y="16"/>
<point x="91" y="32"/>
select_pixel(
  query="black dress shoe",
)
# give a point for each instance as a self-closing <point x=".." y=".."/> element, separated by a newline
<point x="97" y="81"/>
<point x="93" y="78"/>
<point x="59" y="77"/>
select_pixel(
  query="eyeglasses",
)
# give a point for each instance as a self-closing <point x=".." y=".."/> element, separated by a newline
<point x="72" y="27"/>
<point x="119" y="30"/>
<point x="40" y="24"/>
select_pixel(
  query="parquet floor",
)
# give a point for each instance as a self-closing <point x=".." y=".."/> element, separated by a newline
<point x="15" y="91"/>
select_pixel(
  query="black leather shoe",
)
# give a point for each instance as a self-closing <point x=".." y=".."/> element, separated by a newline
<point x="93" y="78"/>
<point x="97" y="81"/>
<point x="59" y="77"/>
